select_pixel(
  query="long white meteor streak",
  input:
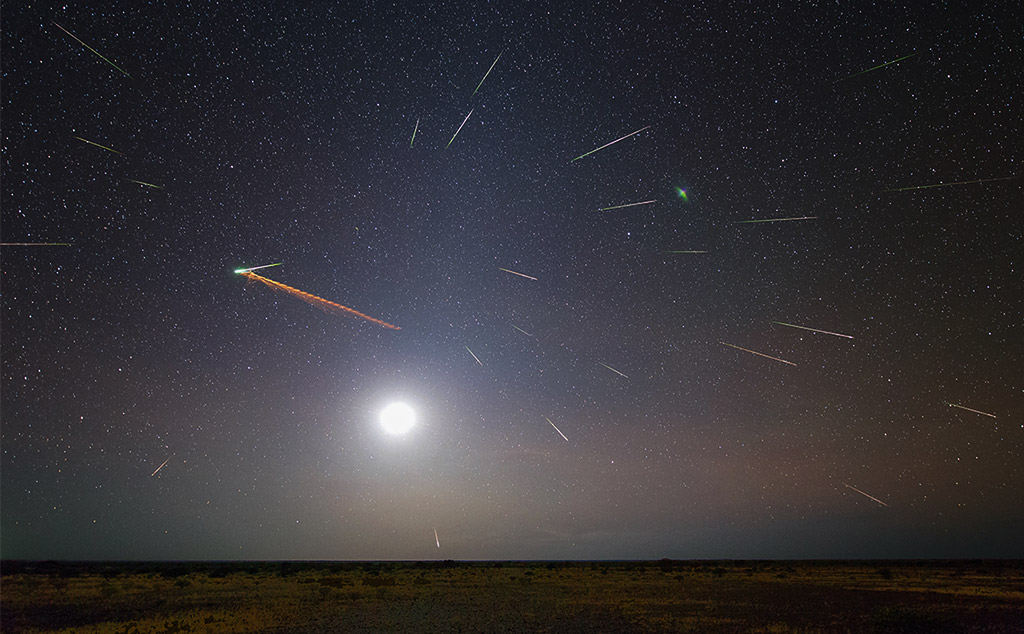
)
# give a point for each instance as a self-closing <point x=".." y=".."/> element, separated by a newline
<point x="474" y="356"/>
<point x="871" y="497"/>
<point x="757" y="353"/>
<point x="255" y="268"/>
<point x="437" y="539"/>
<point x="556" y="429"/>
<point x="521" y="330"/>
<point x="612" y="143"/>
<point x="972" y="410"/>
<point x="487" y="73"/>
<point x="160" y="467"/>
<point x="613" y="370"/>
<point x="519" y="274"/>
<point x="824" y="332"/>
<point x="646" y="202"/>
<point x="460" y="128"/>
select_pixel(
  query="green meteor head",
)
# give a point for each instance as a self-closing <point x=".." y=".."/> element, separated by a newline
<point x="682" y="194"/>
<point x="239" y="271"/>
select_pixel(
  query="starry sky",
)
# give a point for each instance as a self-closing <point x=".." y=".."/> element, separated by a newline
<point x="277" y="132"/>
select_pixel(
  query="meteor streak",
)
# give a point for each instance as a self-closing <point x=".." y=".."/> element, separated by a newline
<point x="460" y="129"/>
<point x="256" y="268"/>
<point x="757" y="353"/>
<point x="160" y="467"/>
<point x="613" y="370"/>
<point x="437" y="539"/>
<point x="519" y="274"/>
<point x="521" y="330"/>
<point x="612" y="143"/>
<point x="746" y="222"/>
<point x="321" y="303"/>
<point x="98" y="145"/>
<point x="879" y="66"/>
<point x="556" y="429"/>
<point x="971" y="410"/>
<point x="35" y="244"/>
<point x="474" y="356"/>
<point x="684" y="251"/>
<point x="144" y="183"/>
<point x="646" y="202"/>
<point x="980" y="180"/>
<point x="487" y="73"/>
<point x="91" y="49"/>
<point x="824" y="332"/>
<point x="866" y="495"/>
<point x="414" y="132"/>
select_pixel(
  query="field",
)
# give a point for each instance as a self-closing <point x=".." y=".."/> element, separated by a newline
<point x="658" y="596"/>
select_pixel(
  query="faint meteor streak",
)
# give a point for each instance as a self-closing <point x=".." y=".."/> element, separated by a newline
<point x="35" y="244"/>
<point x="459" y="130"/>
<point x="521" y="330"/>
<point x="646" y="202"/>
<point x="747" y="222"/>
<point x="684" y="251"/>
<point x="972" y="410"/>
<point x="866" y="495"/>
<point x="109" y="149"/>
<point x="879" y="66"/>
<point x="824" y="332"/>
<point x="613" y="370"/>
<point x="414" y="132"/>
<point x="437" y="539"/>
<point x="144" y="183"/>
<point x="980" y="180"/>
<point x="519" y="274"/>
<point x="612" y="143"/>
<point x="487" y="73"/>
<point x="92" y="49"/>
<point x="160" y="467"/>
<point x="556" y="429"/>
<point x="256" y="268"/>
<point x="757" y="353"/>
<point x="474" y="356"/>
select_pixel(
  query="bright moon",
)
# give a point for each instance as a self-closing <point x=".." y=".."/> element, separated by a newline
<point x="397" y="418"/>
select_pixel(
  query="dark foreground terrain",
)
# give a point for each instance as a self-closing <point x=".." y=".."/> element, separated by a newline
<point x="660" y="596"/>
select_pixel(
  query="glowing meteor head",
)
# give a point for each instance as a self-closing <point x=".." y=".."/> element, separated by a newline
<point x="682" y="194"/>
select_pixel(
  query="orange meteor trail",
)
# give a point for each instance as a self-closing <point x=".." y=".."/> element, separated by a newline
<point x="757" y="353"/>
<point x="519" y="274"/>
<point x="319" y="302"/>
<point x="160" y="467"/>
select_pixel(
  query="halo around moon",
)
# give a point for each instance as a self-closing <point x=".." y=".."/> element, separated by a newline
<point x="397" y="419"/>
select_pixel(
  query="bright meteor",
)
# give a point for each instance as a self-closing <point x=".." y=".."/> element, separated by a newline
<point x="519" y="274"/>
<point x="256" y="268"/>
<point x="612" y="143"/>
<point x="474" y="356"/>
<point x="160" y="467"/>
<point x="487" y="73"/>
<point x="972" y="410"/>
<point x="747" y="222"/>
<point x="91" y="49"/>
<point x="880" y="66"/>
<point x="98" y="145"/>
<point x="980" y="180"/>
<point x="144" y="183"/>
<point x="870" y="497"/>
<point x="646" y="202"/>
<point x="414" y="132"/>
<point x="613" y="370"/>
<point x="824" y="332"/>
<point x="321" y="303"/>
<point x="460" y="129"/>
<point x="556" y="429"/>
<point x="757" y="353"/>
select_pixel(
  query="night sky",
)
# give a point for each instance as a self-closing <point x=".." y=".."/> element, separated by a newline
<point x="282" y="134"/>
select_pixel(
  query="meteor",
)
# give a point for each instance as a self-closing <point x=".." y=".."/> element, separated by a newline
<point x="521" y="330"/>
<point x="474" y="356"/>
<point x="519" y="274"/>
<point x="437" y="539"/>
<point x="98" y="145"/>
<point x="746" y="222"/>
<point x="871" y="497"/>
<point x="972" y="410"/>
<point x="980" y="180"/>
<point x="144" y="183"/>
<point x="460" y="129"/>
<point x="161" y="466"/>
<point x="487" y="73"/>
<point x="556" y="429"/>
<point x="91" y="49"/>
<point x="256" y="268"/>
<point x="757" y="353"/>
<point x="612" y="143"/>
<point x="879" y="66"/>
<point x="613" y="370"/>
<point x="414" y="132"/>
<point x="684" y="251"/>
<point x="646" y="202"/>
<point x="824" y="332"/>
<point x="35" y="244"/>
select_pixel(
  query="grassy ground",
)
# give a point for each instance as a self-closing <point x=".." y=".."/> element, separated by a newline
<point x="665" y="596"/>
